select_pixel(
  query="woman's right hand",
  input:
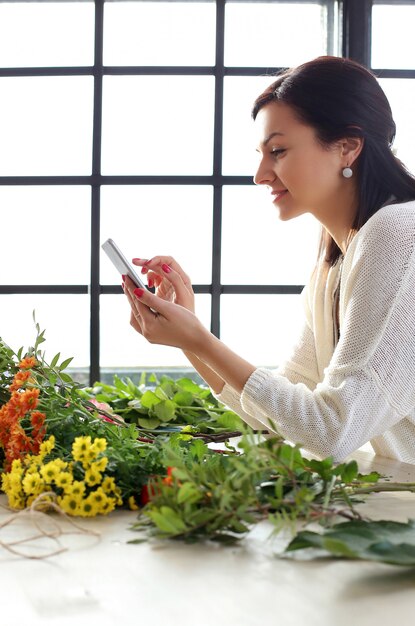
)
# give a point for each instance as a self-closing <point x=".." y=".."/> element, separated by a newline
<point x="171" y="282"/>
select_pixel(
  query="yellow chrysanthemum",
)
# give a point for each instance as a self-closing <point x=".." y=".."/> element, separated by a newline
<point x="89" y="457"/>
<point x="50" y="471"/>
<point x="15" y="481"/>
<point x="5" y="482"/>
<point x="88" y="508"/>
<point x="108" y="506"/>
<point x="100" y="498"/>
<point x="100" y="465"/>
<point x="108" y="484"/>
<point x="61" y="464"/>
<point x="132" y="503"/>
<point x="33" y="484"/>
<point x="32" y="465"/>
<point x="92" y="477"/>
<point x="16" y="501"/>
<point x="64" y="479"/>
<point x="17" y="466"/>
<point x="46" y="447"/>
<point x="70" y="503"/>
<point x="81" y="448"/>
<point x="77" y="488"/>
<point x="99" y="445"/>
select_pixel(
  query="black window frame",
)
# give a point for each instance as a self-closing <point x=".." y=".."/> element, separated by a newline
<point x="355" y="16"/>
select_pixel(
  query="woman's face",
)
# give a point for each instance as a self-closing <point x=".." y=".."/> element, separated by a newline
<point x="303" y="176"/>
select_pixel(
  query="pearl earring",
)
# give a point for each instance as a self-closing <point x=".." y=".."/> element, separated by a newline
<point x="347" y="172"/>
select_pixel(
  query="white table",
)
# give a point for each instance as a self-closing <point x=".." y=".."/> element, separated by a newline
<point x="107" y="582"/>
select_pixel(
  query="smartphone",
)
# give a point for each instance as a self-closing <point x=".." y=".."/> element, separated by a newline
<point x="121" y="263"/>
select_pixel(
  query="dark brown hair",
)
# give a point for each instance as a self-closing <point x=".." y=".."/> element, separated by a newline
<point x="340" y="98"/>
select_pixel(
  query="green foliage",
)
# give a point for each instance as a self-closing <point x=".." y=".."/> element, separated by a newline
<point x="220" y="496"/>
<point x="160" y="404"/>
<point x="385" y="541"/>
<point x="198" y="493"/>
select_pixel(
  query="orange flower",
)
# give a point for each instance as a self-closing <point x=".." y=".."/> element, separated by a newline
<point x="29" y="400"/>
<point x="19" y="379"/>
<point x="13" y="439"/>
<point x="37" y="419"/>
<point x="27" y="363"/>
<point x="169" y="478"/>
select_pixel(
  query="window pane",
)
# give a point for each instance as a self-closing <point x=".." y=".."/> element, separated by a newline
<point x="401" y="95"/>
<point x="46" y="125"/>
<point x="261" y="328"/>
<point x="158" y="125"/>
<point x="65" y="318"/>
<point x="43" y="34"/>
<point x="171" y="220"/>
<point x="239" y="141"/>
<point x="265" y="250"/>
<point x="46" y="231"/>
<point x="121" y="346"/>
<point x="392" y="30"/>
<point x="273" y="34"/>
<point x="159" y="33"/>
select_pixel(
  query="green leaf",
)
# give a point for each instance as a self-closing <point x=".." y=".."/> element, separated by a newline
<point x="165" y="410"/>
<point x="349" y="472"/>
<point x="188" y="492"/>
<point x="198" y="449"/>
<point x="384" y="541"/>
<point x="66" y="378"/>
<point x="229" y="420"/>
<point x="322" y="468"/>
<point x="55" y="360"/>
<point x="148" y="422"/>
<point x="167" y="520"/>
<point x="149" y="399"/>
<point x="373" y="477"/>
<point x="65" y="363"/>
<point x="183" y="398"/>
<point x="188" y="385"/>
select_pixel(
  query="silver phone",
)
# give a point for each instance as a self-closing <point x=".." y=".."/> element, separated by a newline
<point x="121" y="263"/>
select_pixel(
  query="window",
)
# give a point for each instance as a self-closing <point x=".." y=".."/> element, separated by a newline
<point x="394" y="64"/>
<point x="144" y="123"/>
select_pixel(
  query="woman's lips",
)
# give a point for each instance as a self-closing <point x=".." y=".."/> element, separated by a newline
<point x="277" y="195"/>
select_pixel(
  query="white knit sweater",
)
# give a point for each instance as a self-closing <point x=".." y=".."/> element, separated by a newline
<point x="333" y="396"/>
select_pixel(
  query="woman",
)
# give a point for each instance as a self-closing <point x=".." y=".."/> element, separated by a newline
<point x="325" y="134"/>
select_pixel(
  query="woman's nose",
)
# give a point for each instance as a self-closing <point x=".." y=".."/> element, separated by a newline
<point x="264" y="175"/>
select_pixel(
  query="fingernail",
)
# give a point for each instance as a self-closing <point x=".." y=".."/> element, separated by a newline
<point x="123" y="286"/>
<point x="138" y="292"/>
<point x="144" y="270"/>
<point x="123" y="276"/>
<point x="150" y="282"/>
<point x="166" y="268"/>
<point x="137" y="258"/>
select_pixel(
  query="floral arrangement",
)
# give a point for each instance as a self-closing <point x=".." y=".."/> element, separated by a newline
<point x="81" y="486"/>
<point x="55" y="440"/>
<point x="94" y="448"/>
<point x="145" y="447"/>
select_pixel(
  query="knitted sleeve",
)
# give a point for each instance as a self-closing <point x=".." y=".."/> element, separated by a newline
<point x="299" y="367"/>
<point x="369" y="385"/>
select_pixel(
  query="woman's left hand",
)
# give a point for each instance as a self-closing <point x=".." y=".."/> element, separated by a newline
<point x="163" y="322"/>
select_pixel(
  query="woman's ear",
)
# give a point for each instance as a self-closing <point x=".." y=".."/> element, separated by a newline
<point x="351" y="147"/>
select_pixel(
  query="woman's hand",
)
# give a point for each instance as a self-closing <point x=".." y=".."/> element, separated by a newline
<point x="171" y="282"/>
<point x="163" y="322"/>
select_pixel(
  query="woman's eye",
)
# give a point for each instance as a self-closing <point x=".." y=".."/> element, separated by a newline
<point x="277" y="151"/>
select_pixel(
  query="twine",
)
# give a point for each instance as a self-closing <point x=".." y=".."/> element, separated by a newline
<point x="35" y="517"/>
